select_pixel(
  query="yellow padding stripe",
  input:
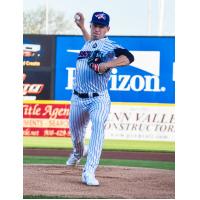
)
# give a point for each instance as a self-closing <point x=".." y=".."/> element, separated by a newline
<point x="113" y="103"/>
<point x="45" y="102"/>
<point x="141" y="104"/>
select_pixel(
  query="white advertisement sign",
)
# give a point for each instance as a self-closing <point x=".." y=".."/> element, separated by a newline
<point x="131" y="121"/>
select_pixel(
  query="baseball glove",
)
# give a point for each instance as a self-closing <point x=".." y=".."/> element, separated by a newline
<point x="94" y="60"/>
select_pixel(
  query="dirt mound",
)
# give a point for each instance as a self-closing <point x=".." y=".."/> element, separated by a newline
<point x="115" y="182"/>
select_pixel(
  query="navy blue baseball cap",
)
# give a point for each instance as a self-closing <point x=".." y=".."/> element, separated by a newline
<point x="100" y="18"/>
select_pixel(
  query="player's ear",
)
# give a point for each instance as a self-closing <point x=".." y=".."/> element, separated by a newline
<point x="108" y="28"/>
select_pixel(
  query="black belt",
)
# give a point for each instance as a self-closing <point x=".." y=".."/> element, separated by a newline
<point x="85" y="95"/>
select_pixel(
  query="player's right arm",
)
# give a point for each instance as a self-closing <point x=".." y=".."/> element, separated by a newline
<point x="80" y="24"/>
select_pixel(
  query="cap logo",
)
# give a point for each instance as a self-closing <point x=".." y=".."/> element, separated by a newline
<point x="101" y="16"/>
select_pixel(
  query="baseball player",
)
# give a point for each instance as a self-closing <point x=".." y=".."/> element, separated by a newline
<point x="90" y="99"/>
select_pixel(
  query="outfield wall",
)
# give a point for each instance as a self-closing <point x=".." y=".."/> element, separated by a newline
<point x="142" y="94"/>
<point x="126" y="121"/>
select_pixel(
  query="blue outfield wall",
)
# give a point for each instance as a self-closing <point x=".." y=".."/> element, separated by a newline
<point x="148" y="79"/>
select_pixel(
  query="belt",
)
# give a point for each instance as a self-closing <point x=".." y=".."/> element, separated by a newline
<point x="86" y="95"/>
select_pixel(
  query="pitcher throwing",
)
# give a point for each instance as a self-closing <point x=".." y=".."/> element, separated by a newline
<point x="90" y="99"/>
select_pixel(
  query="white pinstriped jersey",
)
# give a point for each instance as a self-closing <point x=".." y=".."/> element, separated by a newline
<point x="86" y="79"/>
<point x="95" y="109"/>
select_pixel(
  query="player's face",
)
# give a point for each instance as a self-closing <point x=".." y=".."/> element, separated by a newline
<point x="98" y="31"/>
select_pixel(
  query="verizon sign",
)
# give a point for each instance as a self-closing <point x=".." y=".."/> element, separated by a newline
<point x="148" y="79"/>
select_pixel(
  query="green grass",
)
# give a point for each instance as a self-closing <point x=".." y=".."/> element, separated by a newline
<point x="117" y="145"/>
<point x="110" y="162"/>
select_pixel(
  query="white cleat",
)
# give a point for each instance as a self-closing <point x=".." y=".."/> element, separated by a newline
<point x="72" y="161"/>
<point x="89" y="179"/>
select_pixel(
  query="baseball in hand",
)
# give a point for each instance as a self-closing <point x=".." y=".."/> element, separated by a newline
<point x="77" y="17"/>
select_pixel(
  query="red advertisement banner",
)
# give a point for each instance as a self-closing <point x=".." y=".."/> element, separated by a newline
<point x="46" y="119"/>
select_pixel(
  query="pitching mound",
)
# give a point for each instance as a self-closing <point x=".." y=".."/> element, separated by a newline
<point x="115" y="182"/>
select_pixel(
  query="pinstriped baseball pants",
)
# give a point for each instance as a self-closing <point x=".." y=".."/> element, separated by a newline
<point x="97" y="110"/>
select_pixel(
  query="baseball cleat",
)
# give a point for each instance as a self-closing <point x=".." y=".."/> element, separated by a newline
<point x="89" y="179"/>
<point x="72" y="161"/>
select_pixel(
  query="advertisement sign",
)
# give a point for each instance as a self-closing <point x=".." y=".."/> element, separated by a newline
<point x="148" y="79"/>
<point x="38" y="67"/>
<point x="38" y="51"/>
<point x="126" y="121"/>
<point x="142" y="94"/>
<point x="36" y="85"/>
<point x="140" y="122"/>
<point x="49" y="119"/>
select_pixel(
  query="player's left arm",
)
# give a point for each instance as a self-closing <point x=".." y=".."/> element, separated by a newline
<point x="124" y="57"/>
